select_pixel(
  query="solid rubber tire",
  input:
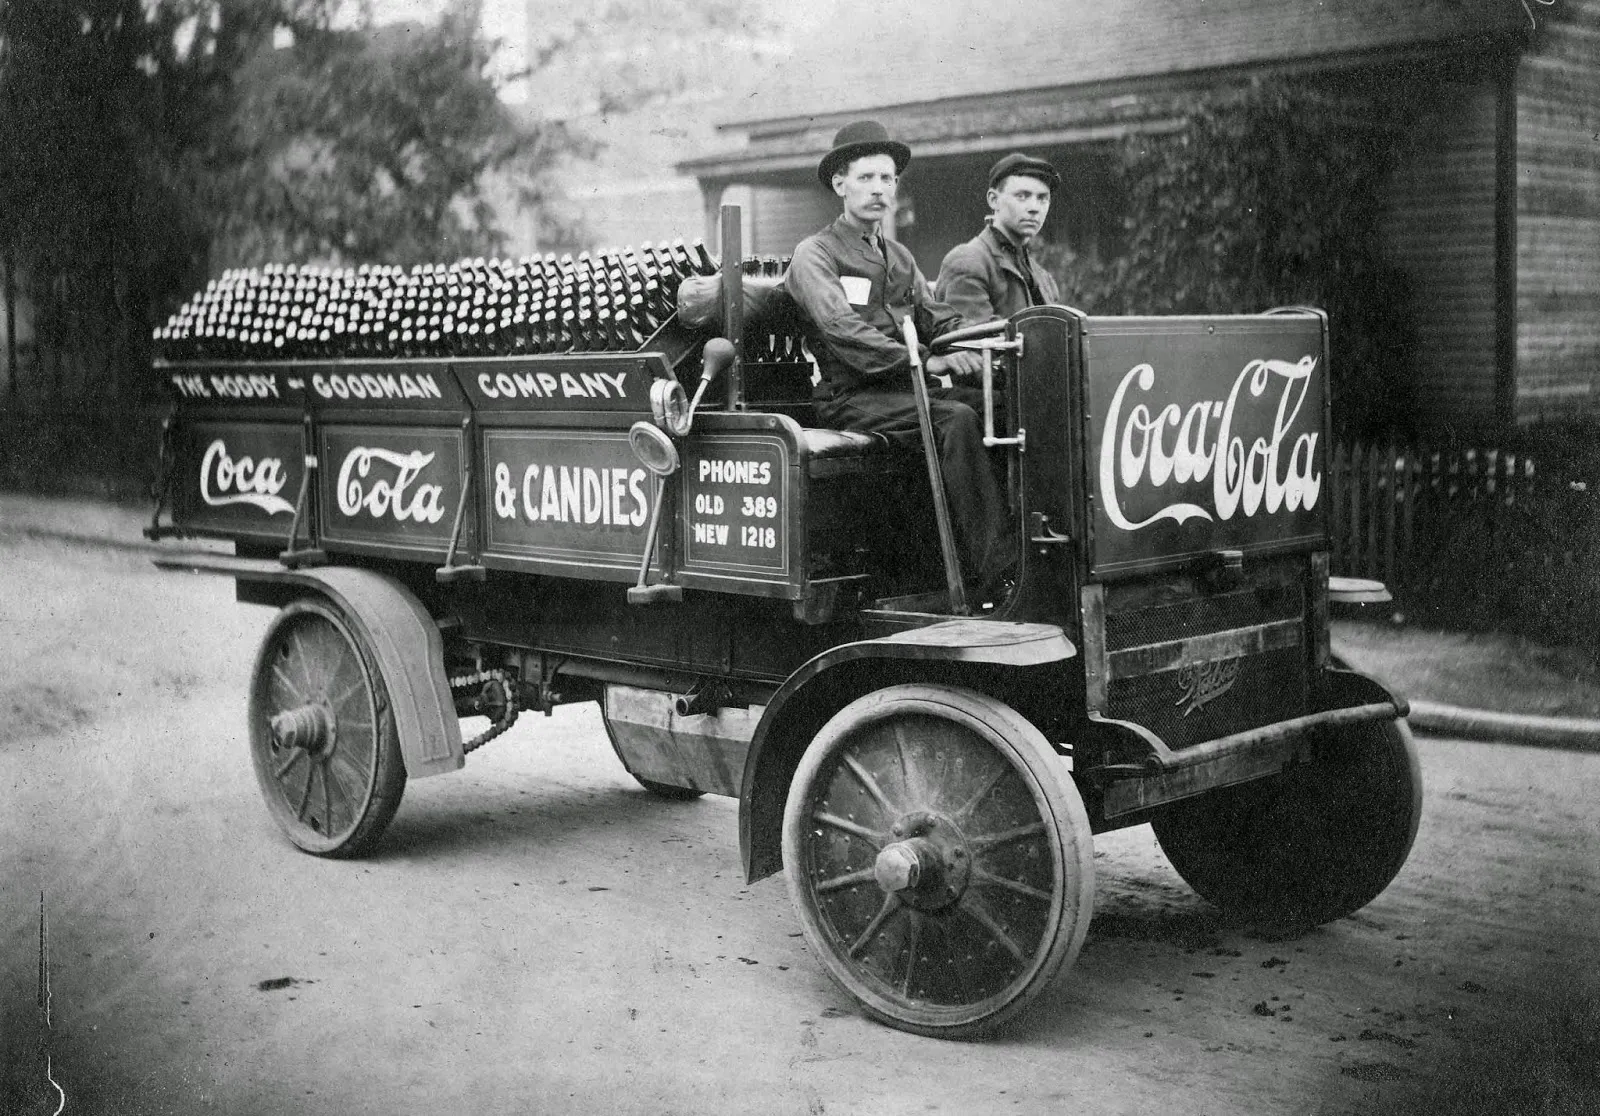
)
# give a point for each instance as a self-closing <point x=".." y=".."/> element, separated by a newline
<point x="1311" y="845"/>
<point x="372" y="802"/>
<point x="1066" y="832"/>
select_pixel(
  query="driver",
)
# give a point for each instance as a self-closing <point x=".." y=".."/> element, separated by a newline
<point x="854" y="285"/>
<point x="992" y="275"/>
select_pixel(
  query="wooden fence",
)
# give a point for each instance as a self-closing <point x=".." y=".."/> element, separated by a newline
<point x="1393" y="507"/>
<point x="1476" y="538"/>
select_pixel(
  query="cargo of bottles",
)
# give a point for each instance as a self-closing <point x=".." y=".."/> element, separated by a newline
<point x="595" y="302"/>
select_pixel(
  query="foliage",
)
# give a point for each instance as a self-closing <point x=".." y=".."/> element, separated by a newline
<point x="145" y="144"/>
<point x="90" y="211"/>
<point x="612" y="57"/>
<point x="1521" y="556"/>
<point x="375" y="145"/>
<point x="1267" y="196"/>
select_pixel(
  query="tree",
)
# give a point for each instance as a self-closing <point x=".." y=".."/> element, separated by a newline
<point x="145" y="144"/>
<point x="375" y="145"/>
<point x="108" y="114"/>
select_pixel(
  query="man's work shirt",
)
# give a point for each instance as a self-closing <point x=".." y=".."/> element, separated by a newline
<point x="990" y="277"/>
<point x="854" y="292"/>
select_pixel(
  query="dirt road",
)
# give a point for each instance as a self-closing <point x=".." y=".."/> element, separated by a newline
<point x="538" y="935"/>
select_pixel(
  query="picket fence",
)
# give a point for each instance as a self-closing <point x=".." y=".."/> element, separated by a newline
<point x="1391" y="505"/>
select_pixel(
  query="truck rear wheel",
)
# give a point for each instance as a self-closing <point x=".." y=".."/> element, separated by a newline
<point x="1314" y="844"/>
<point x="322" y="733"/>
<point x="939" y="857"/>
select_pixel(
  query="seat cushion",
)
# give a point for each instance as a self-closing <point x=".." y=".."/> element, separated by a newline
<point x="822" y="444"/>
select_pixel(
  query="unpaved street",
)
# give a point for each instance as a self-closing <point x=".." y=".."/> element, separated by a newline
<point x="538" y="935"/>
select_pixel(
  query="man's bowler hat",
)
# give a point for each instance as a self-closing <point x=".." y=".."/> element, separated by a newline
<point x="1018" y="163"/>
<point x="863" y="137"/>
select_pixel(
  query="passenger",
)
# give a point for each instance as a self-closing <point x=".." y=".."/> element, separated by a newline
<point x="992" y="275"/>
<point x="854" y="286"/>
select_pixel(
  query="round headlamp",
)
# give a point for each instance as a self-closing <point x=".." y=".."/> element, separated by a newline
<point x="653" y="448"/>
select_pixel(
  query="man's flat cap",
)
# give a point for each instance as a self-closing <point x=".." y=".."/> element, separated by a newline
<point x="863" y="137"/>
<point x="1018" y="163"/>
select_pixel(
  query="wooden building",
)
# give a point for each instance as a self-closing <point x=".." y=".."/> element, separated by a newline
<point x="1494" y="213"/>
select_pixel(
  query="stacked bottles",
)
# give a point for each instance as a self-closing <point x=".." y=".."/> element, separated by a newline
<point x="772" y="337"/>
<point x="596" y="302"/>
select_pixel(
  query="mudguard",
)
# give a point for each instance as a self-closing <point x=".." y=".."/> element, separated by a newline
<point x="402" y="636"/>
<point x="787" y="725"/>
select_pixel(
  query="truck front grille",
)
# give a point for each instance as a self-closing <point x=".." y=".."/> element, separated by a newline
<point x="1186" y="693"/>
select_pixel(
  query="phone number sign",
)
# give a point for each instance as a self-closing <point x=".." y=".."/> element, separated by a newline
<point x="736" y="504"/>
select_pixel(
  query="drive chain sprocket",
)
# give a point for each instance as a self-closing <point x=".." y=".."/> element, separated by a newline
<point x="496" y="698"/>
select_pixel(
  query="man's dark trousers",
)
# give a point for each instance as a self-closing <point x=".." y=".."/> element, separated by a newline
<point x="977" y="509"/>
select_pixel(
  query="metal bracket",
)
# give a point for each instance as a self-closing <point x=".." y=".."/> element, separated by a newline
<point x="988" y="346"/>
<point x="310" y="555"/>
<point x="1041" y="533"/>
<point x="450" y="572"/>
<point x="643" y="593"/>
<point x="164" y="471"/>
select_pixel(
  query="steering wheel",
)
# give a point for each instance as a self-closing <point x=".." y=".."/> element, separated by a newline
<point x="944" y="342"/>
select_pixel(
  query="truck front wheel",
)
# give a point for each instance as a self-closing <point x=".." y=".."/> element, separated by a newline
<point x="1313" y="844"/>
<point x="939" y="857"/>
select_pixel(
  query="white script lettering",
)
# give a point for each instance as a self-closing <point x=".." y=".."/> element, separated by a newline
<point x="1134" y="451"/>
<point x="225" y="481"/>
<point x="394" y="497"/>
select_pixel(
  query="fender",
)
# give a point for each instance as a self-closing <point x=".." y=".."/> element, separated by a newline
<point x="402" y="636"/>
<point x="804" y="702"/>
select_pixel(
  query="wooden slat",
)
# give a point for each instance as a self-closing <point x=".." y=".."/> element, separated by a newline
<point x="1354" y="527"/>
<point x="1372" y="478"/>
<point x="1408" y="490"/>
<point x="1392" y="478"/>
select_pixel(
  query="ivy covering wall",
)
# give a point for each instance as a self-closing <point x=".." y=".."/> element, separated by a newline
<point x="1268" y="195"/>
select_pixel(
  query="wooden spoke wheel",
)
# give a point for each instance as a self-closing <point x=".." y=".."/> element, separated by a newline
<point x="660" y="790"/>
<point x="322" y="735"/>
<point x="940" y="858"/>
<point x="1311" y="845"/>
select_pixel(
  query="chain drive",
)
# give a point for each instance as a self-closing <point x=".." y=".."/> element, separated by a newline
<point x="508" y="695"/>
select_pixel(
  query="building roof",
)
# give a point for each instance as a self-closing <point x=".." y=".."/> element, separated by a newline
<point x="876" y="54"/>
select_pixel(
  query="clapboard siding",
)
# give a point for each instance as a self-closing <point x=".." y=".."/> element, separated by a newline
<point x="1558" y="218"/>
<point x="785" y="215"/>
<point x="1441" y="230"/>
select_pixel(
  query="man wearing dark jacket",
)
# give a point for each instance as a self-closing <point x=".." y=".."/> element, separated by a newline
<point x="992" y="275"/>
<point x="854" y="286"/>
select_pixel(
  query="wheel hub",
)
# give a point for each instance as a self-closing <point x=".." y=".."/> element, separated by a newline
<point x="310" y="727"/>
<point x="928" y="868"/>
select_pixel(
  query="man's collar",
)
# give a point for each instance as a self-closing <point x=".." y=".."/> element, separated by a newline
<point x="849" y="228"/>
<point x="1002" y="238"/>
<point x="856" y="239"/>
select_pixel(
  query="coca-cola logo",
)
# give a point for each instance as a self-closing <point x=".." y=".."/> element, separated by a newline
<point x="1184" y="446"/>
<point x="383" y="483"/>
<point x="226" y="480"/>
